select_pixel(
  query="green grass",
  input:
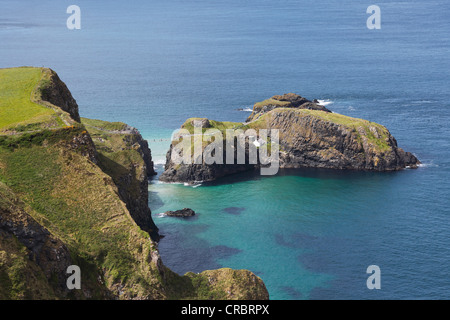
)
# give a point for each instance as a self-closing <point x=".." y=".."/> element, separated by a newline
<point x="94" y="125"/>
<point x="17" y="89"/>
<point x="337" y="118"/>
<point x="38" y="138"/>
<point x="117" y="153"/>
<point x="219" y="125"/>
<point x="20" y="278"/>
<point x="70" y="198"/>
<point x="270" y="102"/>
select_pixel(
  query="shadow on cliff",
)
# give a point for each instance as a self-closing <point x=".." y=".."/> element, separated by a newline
<point x="131" y="191"/>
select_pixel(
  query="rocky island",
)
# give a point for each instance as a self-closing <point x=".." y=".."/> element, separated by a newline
<point x="74" y="191"/>
<point x="310" y="135"/>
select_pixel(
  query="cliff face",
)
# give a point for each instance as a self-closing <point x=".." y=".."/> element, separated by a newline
<point x="315" y="139"/>
<point x="76" y="193"/>
<point x="55" y="92"/>
<point x="192" y="173"/>
<point x="125" y="156"/>
<point x="308" y="137"/>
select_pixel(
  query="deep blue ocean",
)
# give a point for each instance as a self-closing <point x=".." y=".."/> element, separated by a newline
<point x="309" y="234"/>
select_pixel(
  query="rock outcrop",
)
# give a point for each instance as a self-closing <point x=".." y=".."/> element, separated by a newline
<point x="183" y="213"/>
<point x="314" y="139"/>
<point x="54" y="91"/>
<point x="287" y="100"/>
<point x="309" y="136"/>
<point x="196" y="173"/>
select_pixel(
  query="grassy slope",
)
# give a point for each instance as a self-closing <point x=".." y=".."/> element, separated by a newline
<point x="20" y="278"/>
<point x="269" y="102"/>
<point x="116" y="154"/>
<point x="111" y="142"/>
<point x="69" y="195"/>
<point x="78" y="203"/>
<point x="18" y="96"/>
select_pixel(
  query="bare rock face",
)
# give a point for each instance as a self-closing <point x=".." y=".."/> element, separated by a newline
<point x="195" y="173"/>
<point x="133" y="183"/>
<point x="201" y="123"/>
<point x="183" y="213"/>
<point x="308" y="140"/>
<point x="83" y="144"/>
<point x="56" y="92"/>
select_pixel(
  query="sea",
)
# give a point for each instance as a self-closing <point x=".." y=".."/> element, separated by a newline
<point x="309" y="233"/>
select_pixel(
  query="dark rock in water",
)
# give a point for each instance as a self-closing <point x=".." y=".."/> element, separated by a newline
<point x="186" y="212"/>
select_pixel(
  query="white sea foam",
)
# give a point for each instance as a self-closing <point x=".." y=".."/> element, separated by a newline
<point x="159" y="162"/>
<point x="325" y="102"/>
<point x="428" y="165"/>
<point x="161" y="215"/>
<point x="246" y="110"/>
<point x="197" y="184"/>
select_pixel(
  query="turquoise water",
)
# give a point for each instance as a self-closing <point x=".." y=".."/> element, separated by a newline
<point x="309" y="234"/>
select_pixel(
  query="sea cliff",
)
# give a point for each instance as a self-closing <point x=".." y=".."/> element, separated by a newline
<point x="74" y="191"/>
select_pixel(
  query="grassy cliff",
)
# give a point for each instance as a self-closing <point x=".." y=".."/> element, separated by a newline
<point x="27" y="97"/>
<point x="70" y="191"/>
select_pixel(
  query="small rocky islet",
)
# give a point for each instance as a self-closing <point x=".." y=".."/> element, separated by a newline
<point x="310" y="136"/>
